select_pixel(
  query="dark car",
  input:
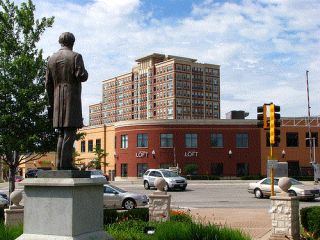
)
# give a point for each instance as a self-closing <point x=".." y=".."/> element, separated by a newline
<point x="32" y="173"/>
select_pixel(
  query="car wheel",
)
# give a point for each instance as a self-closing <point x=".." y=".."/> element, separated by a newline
<point x="129" y="204"/>
<point x="183" y="188"/>
<point x="292" y="193"/>
<point x="258" y="193"/>
<point x="166" y="187"/>
<point x="146" y="185"/>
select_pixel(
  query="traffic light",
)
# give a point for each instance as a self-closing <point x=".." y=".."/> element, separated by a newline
<point x="262" y="117"/>
<point x="274" y="123"/>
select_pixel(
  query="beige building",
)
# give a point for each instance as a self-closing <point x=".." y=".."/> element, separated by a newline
<point x="294" y="146"/>
<point x="160" y="87"/>
<point x="97" y="136"/>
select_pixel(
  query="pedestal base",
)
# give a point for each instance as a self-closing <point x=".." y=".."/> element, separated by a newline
<point x="13" y="216"/>
<point x="63" y="209"/>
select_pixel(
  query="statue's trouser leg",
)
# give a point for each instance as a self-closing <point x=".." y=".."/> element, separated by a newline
<point x="69" y="137"/>
<point x="59" y="147"/>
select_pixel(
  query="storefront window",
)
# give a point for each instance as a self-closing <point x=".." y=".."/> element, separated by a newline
<point x="124" y="170"/>
<point x="141" y="169"/>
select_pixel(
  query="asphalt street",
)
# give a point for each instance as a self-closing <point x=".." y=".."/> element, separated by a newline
<point x="212" y="194"/>
<point x="206" y="194"/>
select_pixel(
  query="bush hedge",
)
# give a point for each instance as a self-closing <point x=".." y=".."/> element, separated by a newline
<point x="201" y="177"/>
<point x="310" y="220"/>
<point x="111" y="216"/>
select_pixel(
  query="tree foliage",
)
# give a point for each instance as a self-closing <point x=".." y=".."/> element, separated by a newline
<point x="24" y="126"/>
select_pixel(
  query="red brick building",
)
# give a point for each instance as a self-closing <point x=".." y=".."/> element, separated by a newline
<point x="217" y="147"/>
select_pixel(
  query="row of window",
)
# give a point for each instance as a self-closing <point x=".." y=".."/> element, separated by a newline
<point x="191" y="140"/>
<point x="90" y="145"/>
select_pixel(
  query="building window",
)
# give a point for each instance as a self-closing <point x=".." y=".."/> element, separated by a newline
<point x="90" y="146"/>
<point x="166" y="140"/>
<point x="292" y="139"/>
<point x="124" y="141"/>
<point x="191" y="140"/>
<point x="315" y="141"/>
<point x="242" y="169"/>
<point x="216" y="140"/>
<point x="268" y="141"/>
<point x="142" y="140"/>
<point x="217" y="169"/>
<point x="83" y="146"/>
<point x="141" y="169"/>
<point x="124" y="170"/>
<point x="98" y="143"/>
<point x="242" y="140"/>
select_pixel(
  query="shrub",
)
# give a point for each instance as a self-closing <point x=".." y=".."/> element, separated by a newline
<point x="202" y="177"/>
<point x="180" y="216"/>
<point x="111" y="215"/>
<point x="191" y="169"/>
<point x="10" y="233"/>
<point x="310" y="220"/>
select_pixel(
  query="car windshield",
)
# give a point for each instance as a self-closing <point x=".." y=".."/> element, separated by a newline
<point x="118" y="189"/>
<point x="295" y="182"/>
<point x="96" y="173"/>
<point x="169" y="174"/>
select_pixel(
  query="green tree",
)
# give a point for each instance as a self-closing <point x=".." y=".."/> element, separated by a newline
<point x="99" y="155"/>
<point x="25" y="130"/>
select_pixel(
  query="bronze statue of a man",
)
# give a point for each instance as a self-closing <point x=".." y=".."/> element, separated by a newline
<point x="65" y="72"/>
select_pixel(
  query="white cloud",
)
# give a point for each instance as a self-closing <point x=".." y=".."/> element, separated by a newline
<point x="263" y="47"/>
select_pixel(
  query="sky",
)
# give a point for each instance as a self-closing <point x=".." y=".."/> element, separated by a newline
<point x="264" y="47"/>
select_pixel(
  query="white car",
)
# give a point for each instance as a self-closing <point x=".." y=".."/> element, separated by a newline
<point x="262" y="188"/>
<point x="173" y="180"/>
<point x="114" y="197"/>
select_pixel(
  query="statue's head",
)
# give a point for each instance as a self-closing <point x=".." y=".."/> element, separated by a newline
<point x="67" y="39"/>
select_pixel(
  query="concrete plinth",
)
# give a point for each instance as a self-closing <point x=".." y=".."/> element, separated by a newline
<point x="63" y="209"/>
<point x="285" y="218"/>
<point x="159" y="206"/>
<point x="13" y="216"/>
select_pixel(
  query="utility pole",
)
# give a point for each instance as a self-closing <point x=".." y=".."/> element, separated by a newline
<point x="311" y="140"/>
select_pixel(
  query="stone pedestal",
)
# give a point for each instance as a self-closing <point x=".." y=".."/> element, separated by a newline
<point x="285" y="218"/>
<point x="159" y="206"/>
<point x="63" y="209"/>
<point x="13" y="216"/>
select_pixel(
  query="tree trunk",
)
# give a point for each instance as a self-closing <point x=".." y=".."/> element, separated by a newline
<point x="12" y="180"/>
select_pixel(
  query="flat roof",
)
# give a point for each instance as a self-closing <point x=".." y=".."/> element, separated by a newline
<point x="153" y="55"/>
<point x="186" y="122"/>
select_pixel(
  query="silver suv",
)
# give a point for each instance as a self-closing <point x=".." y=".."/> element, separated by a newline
<point x="173" y="179"/>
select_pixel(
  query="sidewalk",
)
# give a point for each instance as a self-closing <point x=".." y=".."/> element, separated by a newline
<point x="255" y="222"/>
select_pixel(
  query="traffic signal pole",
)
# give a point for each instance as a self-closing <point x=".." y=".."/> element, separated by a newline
<point x="274" y="133"/>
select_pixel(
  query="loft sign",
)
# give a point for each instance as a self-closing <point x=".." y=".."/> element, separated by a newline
<point x="191" y="154"/>
<point x="142" y="154"/>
